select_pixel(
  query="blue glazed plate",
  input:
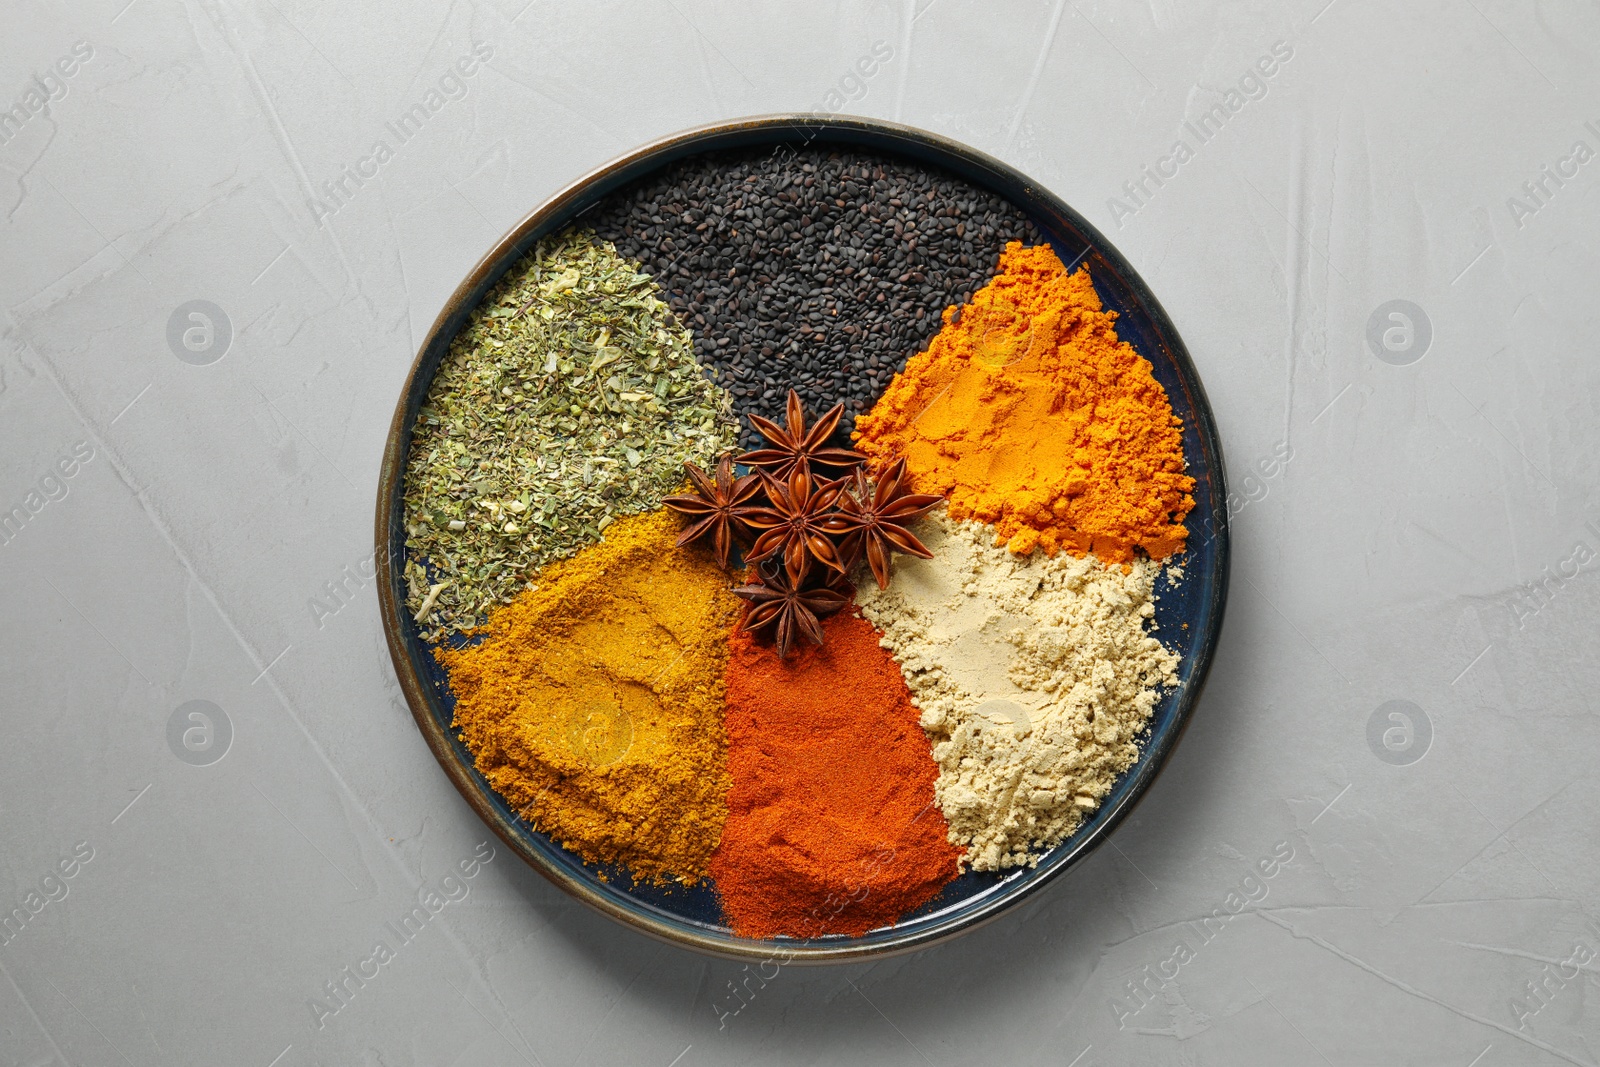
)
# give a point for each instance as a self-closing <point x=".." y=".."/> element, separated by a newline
<point x="1188" y="612"/>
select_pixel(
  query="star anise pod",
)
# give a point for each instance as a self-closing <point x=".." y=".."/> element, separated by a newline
<point x="793" y="522"/>
<point x="715" y="506"/>
<point x="796" y="446"/>
<point x="872" y="519"/>
<point x="787" y="606"/>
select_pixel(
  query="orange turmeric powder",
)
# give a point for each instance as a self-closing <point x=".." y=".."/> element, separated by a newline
<point x="1030" y="414"/>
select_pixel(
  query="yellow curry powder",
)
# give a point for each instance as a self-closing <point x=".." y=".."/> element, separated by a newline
<point x="1029" y="414"/>
<point x="595" y="704"/>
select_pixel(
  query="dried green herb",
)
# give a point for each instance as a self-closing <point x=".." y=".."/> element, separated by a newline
<point x="571" y="398"/>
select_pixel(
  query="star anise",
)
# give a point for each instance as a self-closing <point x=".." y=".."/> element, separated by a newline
<point x="796" y="446"/>
<point x="777" y="601"/>
<point x="716" y="506"/>
<point x="794" y="521"/>
<point x="872" y="519"/>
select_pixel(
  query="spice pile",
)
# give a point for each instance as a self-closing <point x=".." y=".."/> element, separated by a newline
<point x="821" y="837"/>
<point x="595" y="704"/>
<point x="815" y="269"/>
<point x="824" y="680"/>
<point x="571" y="398"/>
<point x="1034" y="675"/>
<point x="1029" y="414"/>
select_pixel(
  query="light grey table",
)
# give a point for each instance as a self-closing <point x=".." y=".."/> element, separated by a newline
<point x="1376" y="844"/>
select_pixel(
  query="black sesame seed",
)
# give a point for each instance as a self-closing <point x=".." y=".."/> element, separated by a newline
<point x="818" y="269"/>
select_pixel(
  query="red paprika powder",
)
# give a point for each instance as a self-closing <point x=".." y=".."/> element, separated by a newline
<point x="831" y="827"/>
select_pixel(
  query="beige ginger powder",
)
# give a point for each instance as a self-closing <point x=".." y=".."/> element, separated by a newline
<point x="1034" y="675"/>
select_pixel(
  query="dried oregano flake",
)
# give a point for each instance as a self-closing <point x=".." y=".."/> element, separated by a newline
<point x="571" y="398"/>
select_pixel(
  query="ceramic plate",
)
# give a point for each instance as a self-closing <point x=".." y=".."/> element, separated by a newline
<point x="1189" y="612"/>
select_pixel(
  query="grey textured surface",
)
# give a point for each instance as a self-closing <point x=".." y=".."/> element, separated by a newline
<point x="1431" y="540"/>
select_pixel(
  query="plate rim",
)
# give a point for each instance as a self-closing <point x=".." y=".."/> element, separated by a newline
<point x="778" y="128"/>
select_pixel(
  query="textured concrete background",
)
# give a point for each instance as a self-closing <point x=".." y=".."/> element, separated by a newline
<point x="1376" y="844"/>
